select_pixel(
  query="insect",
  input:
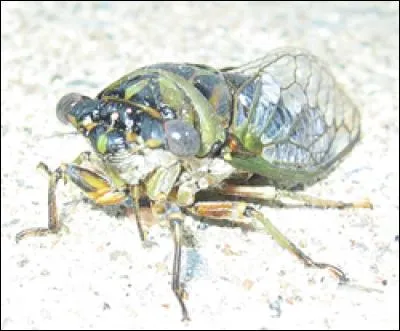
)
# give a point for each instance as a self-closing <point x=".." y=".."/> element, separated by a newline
<point x="169" y="132"/>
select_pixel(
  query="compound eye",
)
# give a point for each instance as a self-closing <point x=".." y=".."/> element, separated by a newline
<point x="182" y="138"/>
<point x="65" y="105"/>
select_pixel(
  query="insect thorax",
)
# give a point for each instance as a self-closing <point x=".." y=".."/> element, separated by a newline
<point x="195" y="94"/>
<point x="161" y="172"/>
<point x="133" y="113"/>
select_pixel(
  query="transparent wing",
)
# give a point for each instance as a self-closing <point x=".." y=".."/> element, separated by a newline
<point x="290" y="103"/>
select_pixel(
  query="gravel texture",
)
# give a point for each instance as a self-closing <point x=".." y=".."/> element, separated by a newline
<point x="98" y="275"/>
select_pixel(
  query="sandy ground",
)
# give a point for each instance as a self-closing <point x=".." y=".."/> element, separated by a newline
<point x="98" y="275"/>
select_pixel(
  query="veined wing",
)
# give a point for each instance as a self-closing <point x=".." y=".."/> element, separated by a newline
<point x="290" y="110"/>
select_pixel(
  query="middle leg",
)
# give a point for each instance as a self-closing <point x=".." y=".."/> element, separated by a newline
<point x="175" y="218"/>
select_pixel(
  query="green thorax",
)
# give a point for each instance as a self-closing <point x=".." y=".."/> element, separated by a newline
<point x="194" y="93"/>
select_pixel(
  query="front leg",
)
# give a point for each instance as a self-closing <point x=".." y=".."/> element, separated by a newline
<point x="96" y="187"/>
<point x="54" y="224"/>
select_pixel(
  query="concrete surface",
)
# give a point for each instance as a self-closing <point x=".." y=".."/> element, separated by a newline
<point x="98" y="275"/>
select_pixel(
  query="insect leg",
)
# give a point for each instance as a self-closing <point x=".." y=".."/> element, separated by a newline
<point x="96" y="187"/>
<point x="239" y="211"/>
<point x="134" y="191"/>
<point x="323" y="203"/>
<point x="176" y="220"/>
<point x="270" y="193"/>
<point x="135" y="194"/>
<point x="54" y="224"/>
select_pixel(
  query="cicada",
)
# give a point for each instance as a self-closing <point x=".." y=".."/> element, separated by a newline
<point x="173" y="133"/>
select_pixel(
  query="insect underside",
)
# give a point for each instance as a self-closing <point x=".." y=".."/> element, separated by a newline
<point x="174" y="133"/>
